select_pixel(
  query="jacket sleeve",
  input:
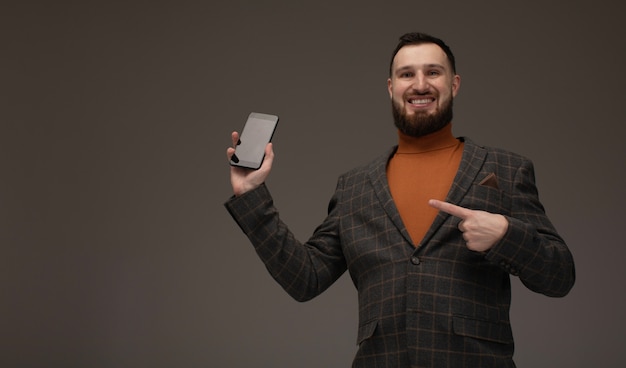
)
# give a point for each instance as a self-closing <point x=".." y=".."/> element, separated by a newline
<point x="304" y="270"/>
<point x="532" y="249"/>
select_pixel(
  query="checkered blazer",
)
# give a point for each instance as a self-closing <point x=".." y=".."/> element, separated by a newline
<point x="432" y="304"/>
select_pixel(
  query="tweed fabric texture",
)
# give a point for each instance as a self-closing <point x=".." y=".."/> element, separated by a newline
<point x="432" y="304"/>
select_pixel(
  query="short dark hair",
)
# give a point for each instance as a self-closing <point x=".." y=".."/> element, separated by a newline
<point x="417" y="38"/>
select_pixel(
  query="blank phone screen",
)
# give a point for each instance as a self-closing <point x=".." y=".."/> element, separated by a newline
<point x="257" y="133"/>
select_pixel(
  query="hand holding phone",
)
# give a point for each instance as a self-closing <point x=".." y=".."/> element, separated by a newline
<point x="256" y="134"/>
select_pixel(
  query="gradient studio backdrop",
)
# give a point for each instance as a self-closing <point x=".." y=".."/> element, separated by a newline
<point x="116" y="250"/>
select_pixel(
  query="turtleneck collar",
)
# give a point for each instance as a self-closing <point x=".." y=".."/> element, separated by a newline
<point x="440" y="139"/>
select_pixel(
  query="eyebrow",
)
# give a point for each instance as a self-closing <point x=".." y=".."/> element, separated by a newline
<point x="410" y="67"/>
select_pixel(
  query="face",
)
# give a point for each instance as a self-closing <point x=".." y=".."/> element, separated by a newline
<point x="422" y="87"/>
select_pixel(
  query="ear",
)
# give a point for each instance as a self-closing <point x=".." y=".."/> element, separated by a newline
<point x="389" y="87"/>
<point x="456" y="84"/>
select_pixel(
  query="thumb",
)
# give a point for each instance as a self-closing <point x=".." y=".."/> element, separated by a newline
<point x="269" y="157"/>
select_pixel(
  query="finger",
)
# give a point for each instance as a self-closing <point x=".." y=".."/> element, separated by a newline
<point x="462" y="228"/>
<point x="235" y="138"/>
<point x="269" y="155"/>
<point x="229" y="152"/>
<point x="450" y="208"/>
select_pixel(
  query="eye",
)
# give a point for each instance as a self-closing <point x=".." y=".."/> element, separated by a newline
<point x="433" y="73"/>
<point x="406" y="74"/>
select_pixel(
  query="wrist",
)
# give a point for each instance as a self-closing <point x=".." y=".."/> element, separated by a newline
<point x="243" y="189"/>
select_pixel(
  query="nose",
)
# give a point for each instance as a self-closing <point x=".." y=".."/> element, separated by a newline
<point x="420" y="83"/>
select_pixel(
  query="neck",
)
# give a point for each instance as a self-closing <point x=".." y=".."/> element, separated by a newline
<point x="440" y="139"/>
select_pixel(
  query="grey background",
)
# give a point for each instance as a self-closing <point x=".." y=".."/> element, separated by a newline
<point x="116" y="250"/>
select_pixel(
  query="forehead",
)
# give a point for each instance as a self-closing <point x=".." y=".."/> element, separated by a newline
<point x="418" y="55"/>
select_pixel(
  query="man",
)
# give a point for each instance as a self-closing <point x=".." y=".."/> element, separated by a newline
<point x="429" y="232"/>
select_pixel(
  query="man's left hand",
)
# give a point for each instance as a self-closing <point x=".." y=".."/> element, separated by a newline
<point x="481" y="230"/>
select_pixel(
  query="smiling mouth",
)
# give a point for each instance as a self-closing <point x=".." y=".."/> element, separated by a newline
<point x="420" y="101"/>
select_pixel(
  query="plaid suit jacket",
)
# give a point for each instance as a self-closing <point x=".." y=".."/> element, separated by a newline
<point x="432" y="304"/>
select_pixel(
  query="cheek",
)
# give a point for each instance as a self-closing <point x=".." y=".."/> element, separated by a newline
<point x="447" y="94"/>
<point x="396" y="94"/>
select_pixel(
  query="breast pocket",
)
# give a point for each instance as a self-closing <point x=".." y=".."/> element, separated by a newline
<point x="481" y="197"/>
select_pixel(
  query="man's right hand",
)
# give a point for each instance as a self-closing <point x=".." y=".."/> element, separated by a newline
<point x="244" y="180"/>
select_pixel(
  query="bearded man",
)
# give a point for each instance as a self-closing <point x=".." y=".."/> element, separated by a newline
<point x="430" y="231"/>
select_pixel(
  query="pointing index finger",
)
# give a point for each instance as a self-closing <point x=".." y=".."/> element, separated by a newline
<point x="450" y="208"/>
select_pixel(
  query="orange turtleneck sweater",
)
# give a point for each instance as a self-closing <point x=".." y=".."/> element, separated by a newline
<point x="421" y="169"/>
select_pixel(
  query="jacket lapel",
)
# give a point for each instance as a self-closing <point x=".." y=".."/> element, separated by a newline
<point x="471" y="162"/>
<point x="378" y="176"/>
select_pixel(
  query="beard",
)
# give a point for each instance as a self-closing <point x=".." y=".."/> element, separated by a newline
<point x="421" y="123"/>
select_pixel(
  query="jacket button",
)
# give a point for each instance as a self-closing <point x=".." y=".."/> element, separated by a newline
<point x="415" y="260"/>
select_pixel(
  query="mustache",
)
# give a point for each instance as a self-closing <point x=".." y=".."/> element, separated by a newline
<point x="414" y="92"/>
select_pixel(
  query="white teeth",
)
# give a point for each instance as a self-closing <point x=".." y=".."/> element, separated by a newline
<point x="422" y="101"/>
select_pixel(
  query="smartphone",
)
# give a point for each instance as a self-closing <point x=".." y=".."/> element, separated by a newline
<point x="256" y="134"/>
